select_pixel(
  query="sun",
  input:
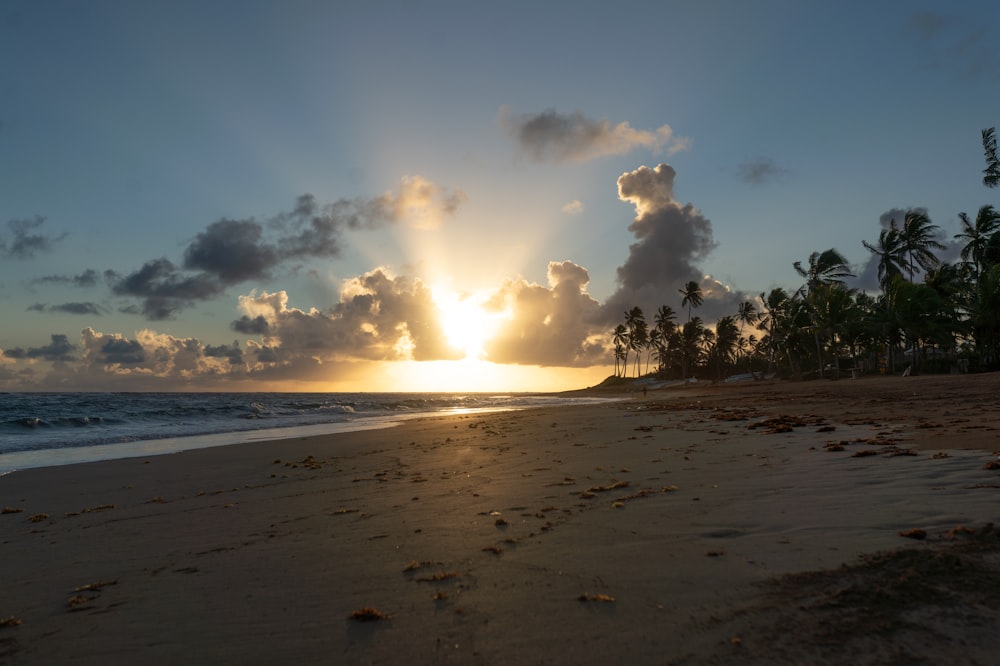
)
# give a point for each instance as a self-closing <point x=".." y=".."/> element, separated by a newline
<point x="465" y="323"/>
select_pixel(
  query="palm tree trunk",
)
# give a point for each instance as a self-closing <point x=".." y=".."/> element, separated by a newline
<point x="819" y="354"/>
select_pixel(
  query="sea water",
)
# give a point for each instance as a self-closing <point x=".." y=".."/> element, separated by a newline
<point x="41" y="429"/>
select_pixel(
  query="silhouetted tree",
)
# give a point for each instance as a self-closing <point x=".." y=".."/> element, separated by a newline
<point x="691" y="296"/>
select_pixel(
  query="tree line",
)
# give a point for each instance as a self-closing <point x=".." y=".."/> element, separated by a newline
<point x="947" y="320"/>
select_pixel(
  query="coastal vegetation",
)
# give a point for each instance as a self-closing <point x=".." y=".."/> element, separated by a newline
<point x="929" y="315"/>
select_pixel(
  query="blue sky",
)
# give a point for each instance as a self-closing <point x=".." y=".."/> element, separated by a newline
<point x="455" y="155"/>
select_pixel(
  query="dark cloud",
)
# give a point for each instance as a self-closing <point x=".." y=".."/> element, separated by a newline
<point x="164" y="288"/>
<point x="256" y="326"/>
<point x="760" y="170"/>
<point x="24" y="242"/>
<point x="232" y="353"/>
<point x="265" y="355"/>
<point x="70" y="308"/>
<point x="230" y="252"/>
<point x="122" y="352"/>
<point x="670" y="240"/>
<point x="555" y="136"/>
<point x="87" y="278"/>
<point x="59" y="349"/>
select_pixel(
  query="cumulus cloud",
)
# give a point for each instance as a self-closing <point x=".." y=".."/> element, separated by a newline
<point x="378" y="317"/>
<point x="550" y="325"/>
<point x="232" y="353"/>
<point x="230" y="252"/>
<point x="671" y="239"/>
<point x="24" y="240"/>
<point x="251" y="326"/>
<point x="151" y="359"/>
<point x="58" y="349"/>
<point x="554" y="136"/>
<point x="759" y="171"/>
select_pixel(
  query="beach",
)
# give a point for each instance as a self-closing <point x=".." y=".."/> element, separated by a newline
<point x="769" y="522"/>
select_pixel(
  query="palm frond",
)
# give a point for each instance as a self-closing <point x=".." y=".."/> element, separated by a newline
<point x="991" y="174"/>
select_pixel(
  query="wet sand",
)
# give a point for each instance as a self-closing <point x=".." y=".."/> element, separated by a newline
<point x="754" y="523"/>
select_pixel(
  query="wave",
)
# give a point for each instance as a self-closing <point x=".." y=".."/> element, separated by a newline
<point x="37" y="422"/>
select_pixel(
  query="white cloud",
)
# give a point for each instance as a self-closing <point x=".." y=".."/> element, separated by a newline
<point x="574" y="207"/>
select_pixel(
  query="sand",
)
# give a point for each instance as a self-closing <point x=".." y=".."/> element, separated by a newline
<point x="754" y="523"/>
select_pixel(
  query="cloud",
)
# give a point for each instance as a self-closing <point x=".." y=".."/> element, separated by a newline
<point x="759" y="170"/>
<point x="962" y="47"/>
<point x="233" y="353"/>
<point x="422" y="202"/>
<point x="23" y="243"/>
<point x="255" y="326"/>
<point x="122" y="352"/>
<point x="552" y="136"/>
<point x="59" y="349"/>
<point x="671" y="239"/>
<point x="378" y="317"/>
<point x="547" y="326"/>
<point x="87" y="278"/>
<point x="574" y="207"/>
<point x="151" y="359"/>
<point x="70" y="308"/>
<point x="164" y="289"/>
<point x="230" y="252"/>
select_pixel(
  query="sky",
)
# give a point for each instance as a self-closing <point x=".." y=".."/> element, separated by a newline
<point x="450" y="196"/>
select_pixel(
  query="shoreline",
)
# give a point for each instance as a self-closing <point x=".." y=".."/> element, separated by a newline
<point x="660" y="530"/>
<point x="14" y="461"/>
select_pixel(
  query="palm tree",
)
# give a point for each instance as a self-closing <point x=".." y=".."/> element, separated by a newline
<point x="638" y="334"/>
<point x="832" y="309"/>
<point x="918" y="238"/>
<point x="985" y="316"/>
<point x="889" y="251"/>
<point x="664" y="320"/>
<point x="725" y="343"/>
<point x="991" y="174"/>
<point x="978" y="234"/>
<point x="691" y="296"/>
<point x="632" y="319"/>
<point x="774" y="303"/>
<point x="827" y="267"/>
<point x="926" y="316"/>
<point x="620" y="342"/>
<point x="653" y="343"/>
<point x="689" y="341"/>
<point x="747" y="314"/>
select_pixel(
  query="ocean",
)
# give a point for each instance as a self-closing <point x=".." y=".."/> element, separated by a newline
<point x="43" y="429"/>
